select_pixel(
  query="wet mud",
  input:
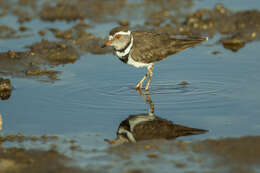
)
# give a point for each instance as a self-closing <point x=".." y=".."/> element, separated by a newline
<point x="243" y="150"/>
<point x="26" y="64"/>
<point x="21" y="138"/>
<point x="98" y="11"/>
<point x="82" y="40"/>
<point x="217" y="155"/>
<point x="21" y="160"/>
<point x="18" y="160"/>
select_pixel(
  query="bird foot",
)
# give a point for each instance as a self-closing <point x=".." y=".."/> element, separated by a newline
<point x="139" y="91"/>
<point x="138" y="87"/>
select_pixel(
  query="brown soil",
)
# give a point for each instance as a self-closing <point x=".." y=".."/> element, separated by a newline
<point x="85" y="42"/>
<point x="31" y="63"/>
<point x="238" y="155"/>
<point x="243" y="151"/>
<point x="21" y="138"/>
<point x="229" y="154"/>
<point x="17" y="160"/>
<point x="98" y="10"/>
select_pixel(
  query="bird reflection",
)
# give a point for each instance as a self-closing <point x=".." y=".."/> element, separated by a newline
<point x="147" y="126"/>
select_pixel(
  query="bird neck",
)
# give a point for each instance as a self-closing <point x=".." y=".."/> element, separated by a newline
<point x="126" y="50"/>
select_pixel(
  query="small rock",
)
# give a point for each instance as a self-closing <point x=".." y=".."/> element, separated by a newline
<point x="152" y="155"/>
<point x="183" y="83"/>
<point x="124" y="23"/>
<point x="215" y="52"/>
<point x="23" y="28"/>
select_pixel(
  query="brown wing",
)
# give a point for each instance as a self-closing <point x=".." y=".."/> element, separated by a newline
<point x="162" y="129"/>
<point x="150" y="47"/>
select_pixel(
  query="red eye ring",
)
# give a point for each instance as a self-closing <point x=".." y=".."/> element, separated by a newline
<point x="118" y="36"/>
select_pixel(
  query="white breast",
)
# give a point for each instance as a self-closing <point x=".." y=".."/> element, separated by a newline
<point x="131" y="61"/>
<point x="137" y="64"/>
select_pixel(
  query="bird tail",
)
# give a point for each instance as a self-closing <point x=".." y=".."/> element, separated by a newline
<point x="187" y="131"/>
<point x="184" y="43"/>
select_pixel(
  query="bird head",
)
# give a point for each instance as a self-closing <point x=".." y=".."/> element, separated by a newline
<point x="119" y="38"/>
<point x="121" y="139"/>
<point x="123" y="136"/>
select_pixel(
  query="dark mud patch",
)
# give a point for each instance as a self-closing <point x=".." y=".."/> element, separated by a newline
<point x="19" y="137"/>
<point x="53" y="53"/>
<point x="5" y="89"/>
<point x="31" y="63"/>
<point x="242" y="151"/>
<point x="84" y="41"/>
<point x="218" y="155"/>
<point x="21" y="160"/>
<point x="18" y="160"/>
<point x="98" y="11"/>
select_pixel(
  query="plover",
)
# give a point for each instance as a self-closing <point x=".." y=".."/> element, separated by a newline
<point x="147" y="127"/>
<point x="143" y="48"/>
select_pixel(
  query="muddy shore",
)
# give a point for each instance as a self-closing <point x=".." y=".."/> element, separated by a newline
<point x="230" y="154"/>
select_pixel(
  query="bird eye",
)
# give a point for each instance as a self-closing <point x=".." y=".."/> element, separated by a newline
<point x="118" y="36"/>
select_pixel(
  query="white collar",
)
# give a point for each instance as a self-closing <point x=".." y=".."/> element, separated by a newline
<point x="127" y="50"/>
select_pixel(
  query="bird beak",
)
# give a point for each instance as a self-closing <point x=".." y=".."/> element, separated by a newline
<point x="116" y="141"/>
<point x="108" y="43"/>
<point x="111" y="142"/>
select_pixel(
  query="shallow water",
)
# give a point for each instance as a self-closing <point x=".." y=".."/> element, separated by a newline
<point x="97" y="92"/>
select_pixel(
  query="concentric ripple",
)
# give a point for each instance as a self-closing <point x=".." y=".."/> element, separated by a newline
<point x="164" y="93"/>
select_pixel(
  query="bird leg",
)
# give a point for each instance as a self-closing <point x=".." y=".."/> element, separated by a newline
<point x="150" y="71"/>
<point x="148" y="100"/>
<point x="139" y="91"/>
<point x="140" y="83"/>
